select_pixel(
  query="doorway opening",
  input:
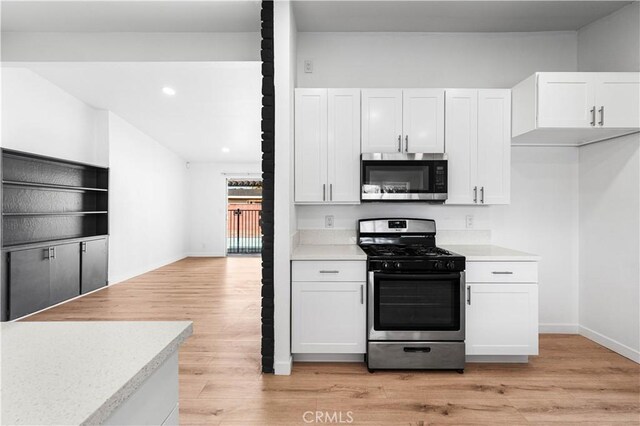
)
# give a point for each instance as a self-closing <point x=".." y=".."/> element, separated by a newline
<point x="244" y="216"/>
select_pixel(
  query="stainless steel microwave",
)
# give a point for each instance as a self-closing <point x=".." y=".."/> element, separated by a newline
<point x="404" y="177"/>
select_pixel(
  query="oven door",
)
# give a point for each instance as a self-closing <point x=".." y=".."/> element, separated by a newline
<point x="403" y="177"/>
<point x="416" y="307"/>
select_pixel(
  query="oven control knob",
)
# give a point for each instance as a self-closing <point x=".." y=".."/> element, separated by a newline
<point x="437" y="264"/>
<point x="451" y="264"/>
<point x="386" y="265"/>
<point x="397" y="265"/>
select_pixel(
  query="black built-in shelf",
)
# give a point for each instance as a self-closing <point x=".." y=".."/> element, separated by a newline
<point x="55" y="224"/>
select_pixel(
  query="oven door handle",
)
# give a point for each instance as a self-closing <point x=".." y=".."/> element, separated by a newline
<point x="404" y="276"/>
<point x="413" y="349"/>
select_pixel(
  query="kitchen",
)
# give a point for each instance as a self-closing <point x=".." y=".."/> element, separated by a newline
<point x="481" y="159"/>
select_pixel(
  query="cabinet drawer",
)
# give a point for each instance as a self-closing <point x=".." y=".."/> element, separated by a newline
<point x="311" y="270"/>
<point x="502" y="272"/>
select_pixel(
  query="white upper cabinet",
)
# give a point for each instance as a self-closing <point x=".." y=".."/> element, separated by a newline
<point x="618" y="100"/>
<point x="565" y="99"/>
<point x="478" y="146"/>
<point x="494" y="146"/>
<point x="403" y="120"/>
<point x="344" y="146"/>
<point x="575" y="107"/>
<point x="311" y="145"/>
<point x="462" y="145"/>
<point x="327" y="146"/>
<point x="382" y="120"/>
<point x="423" y="120"/>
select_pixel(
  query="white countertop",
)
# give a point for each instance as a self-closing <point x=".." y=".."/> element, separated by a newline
<point x="490" y="253"/>
<point x="328" y="252"/>
<point x="75" y="373"/>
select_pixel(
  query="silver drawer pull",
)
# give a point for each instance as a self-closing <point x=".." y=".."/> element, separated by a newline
<point x="329" y="272"/>
<point x="502" y="272"/>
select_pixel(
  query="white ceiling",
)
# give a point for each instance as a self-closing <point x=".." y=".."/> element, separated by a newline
<point x="449" y="16"/>
<point x="216" y="105"/>
<point x="131" y="16"/>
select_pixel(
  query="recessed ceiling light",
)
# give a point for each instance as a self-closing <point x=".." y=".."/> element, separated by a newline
<point x="169" y="91"/>
<point x="225" y="149"/>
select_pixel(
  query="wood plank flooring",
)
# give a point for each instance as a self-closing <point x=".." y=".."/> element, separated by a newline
<point x="573" y="381"/>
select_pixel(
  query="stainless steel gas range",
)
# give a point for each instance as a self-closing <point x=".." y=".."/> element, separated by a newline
<point x="416" y="296"/>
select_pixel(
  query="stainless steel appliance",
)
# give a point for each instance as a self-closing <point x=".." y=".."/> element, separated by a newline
<point x="416" y="297"/>
<point x="404" y="177"/>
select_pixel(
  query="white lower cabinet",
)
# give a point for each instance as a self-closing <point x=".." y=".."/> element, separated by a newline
<point x="328" y="317"/>
<point x="502" y="317"/>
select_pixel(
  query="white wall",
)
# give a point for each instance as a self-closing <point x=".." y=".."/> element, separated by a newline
<point x="611" y="43"/>
<point x="487" y="60"/>
<point x="284" y="213"/>
<point x="207" y="204"/>
<point x="147" y="202"/>
<point x="610" y="244"/>
<point x="542" y="219"/>
<point x="609" y="235"/>
<point x="41" y="118"/>
<point x="132" y="46"/>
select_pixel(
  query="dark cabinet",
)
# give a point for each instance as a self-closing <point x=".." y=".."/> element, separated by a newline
<point x="94" y="264"/>
<point x="64" y="262"/>
<point x="42" y="277"/>
<point x="29" y="289"/>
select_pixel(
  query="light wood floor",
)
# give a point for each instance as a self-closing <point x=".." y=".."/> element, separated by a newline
<point x="572" y="381"/>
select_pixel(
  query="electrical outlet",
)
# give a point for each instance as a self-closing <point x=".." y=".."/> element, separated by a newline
<point x="469" y="220"/>
<point x="308" y="66"/>
<point x="328" y="221"/>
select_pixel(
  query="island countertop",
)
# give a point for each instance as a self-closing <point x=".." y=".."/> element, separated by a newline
<point x="79" y="372"/>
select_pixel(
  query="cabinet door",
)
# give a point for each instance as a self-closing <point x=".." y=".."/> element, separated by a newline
<point x="565" y="99"/>
<point x="423" y="120"/>
<point x="494" y="146"/>
<point x="28" y="281"/>
<point x="328" y="317"/>
<point x="65" y="272"/>
<point x="311" y="145"/>
<point x="344" y="145"/>
<point x="93" y="265"/>
<point x="381" y="120"/>
<point x="502" y="319"/>
<point x="462" y="145"/>
<point x="618" y="99"/>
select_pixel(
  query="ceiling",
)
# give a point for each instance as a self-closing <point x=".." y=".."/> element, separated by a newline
<point x="131" y="16"/>
<point x="449" y="16"/>
<point x="216" y="105"/>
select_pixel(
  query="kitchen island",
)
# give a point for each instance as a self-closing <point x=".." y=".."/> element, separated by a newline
<point x="91" y="372"/>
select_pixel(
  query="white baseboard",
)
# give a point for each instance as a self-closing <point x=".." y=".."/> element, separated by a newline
<point x="609" y="343"/>
<point x="328" y="357"/>
<point x="558" y="328"/>
<point x="206" y="254"/>
<point x="503" y="359"/>
<point x="283" y="368"/>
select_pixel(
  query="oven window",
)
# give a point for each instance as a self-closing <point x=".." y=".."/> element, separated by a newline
<point x="392" y="177"/>
<point x="417" y="302"/>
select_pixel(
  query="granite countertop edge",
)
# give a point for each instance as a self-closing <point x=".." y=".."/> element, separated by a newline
<point x="102" y="413"/>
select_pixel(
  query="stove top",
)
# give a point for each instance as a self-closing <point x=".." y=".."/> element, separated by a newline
<point x="397" y="251"/>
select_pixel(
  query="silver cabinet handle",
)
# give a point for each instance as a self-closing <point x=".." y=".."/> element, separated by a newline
<point x="601" y="111"/>
<point x="482" y="195"/>
<point x="330" y="192"/>
<point x="406" y="143"/>
<point x="53" y="253"/>
<point x="47" y="253"/>
<point x="83" y="246"/>
<point x="324" y="192"/>
<point x="399" y="143"/>
<point x="362" y="294"/>
<point x="593" y="116"/>
<point x="475" y="194"/>
<point x="329" y="272"/>
<point x="469" y="295"/>
<point x="502" y="273"/>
